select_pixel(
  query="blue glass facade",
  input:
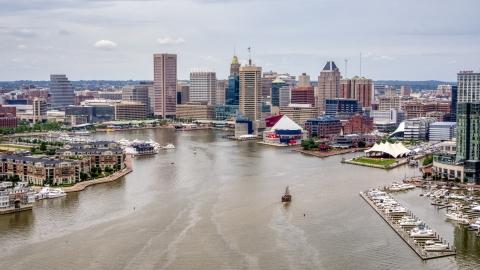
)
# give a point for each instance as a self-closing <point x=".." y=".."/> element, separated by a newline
<point x="233" y="94"/>
<point x="276" y="92"/>
<point x="346" y="106"/>
<point x="225" y="111"/>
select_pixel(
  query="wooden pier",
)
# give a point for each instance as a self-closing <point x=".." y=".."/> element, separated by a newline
<point x="416" y="243"/>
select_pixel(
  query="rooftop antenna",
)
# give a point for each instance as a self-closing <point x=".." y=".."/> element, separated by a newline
<point x="360" y="65"/>
<point x="346" y="59"/>
<point x="234" y="51"/>
<point x="249" y="57"/>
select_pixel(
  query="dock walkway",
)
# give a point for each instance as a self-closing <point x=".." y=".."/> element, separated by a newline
<point x="415" y="243"/>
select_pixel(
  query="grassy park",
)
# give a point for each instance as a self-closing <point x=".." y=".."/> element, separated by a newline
<point x="375" y="161"/>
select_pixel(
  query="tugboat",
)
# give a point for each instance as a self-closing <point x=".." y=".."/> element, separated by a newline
<point x="287" y="197"/>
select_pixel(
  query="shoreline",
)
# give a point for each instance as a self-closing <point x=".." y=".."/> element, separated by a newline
<point x="82" y="185"/>
<point x="329" y="154"/>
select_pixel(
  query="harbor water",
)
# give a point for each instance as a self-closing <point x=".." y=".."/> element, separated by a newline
<point x="221" y="209"/>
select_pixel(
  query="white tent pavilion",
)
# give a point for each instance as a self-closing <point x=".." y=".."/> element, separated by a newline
<point x="394" y="149"/>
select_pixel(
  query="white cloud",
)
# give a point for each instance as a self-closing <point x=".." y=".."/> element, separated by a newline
<point x="367" y="55"/>
<point x="210" y="58"/>
<point x="169" y="40"/>
<point x="22" y="47"/>
<point x="384" y="57"/>
<point x="23" y="33"/>
<point x="105" y="44"/>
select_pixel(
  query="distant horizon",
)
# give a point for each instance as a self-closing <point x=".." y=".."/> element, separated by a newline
<point x="136" y="80"/>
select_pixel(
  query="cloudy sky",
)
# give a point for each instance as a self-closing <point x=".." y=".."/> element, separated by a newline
<point x="398" y="39"/>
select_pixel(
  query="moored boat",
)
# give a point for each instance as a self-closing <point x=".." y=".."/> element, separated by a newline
<point x="432" y="246"/>
<point x="56" y="193"/>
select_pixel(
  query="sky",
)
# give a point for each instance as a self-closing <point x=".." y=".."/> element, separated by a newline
<point x="116" y="40"/>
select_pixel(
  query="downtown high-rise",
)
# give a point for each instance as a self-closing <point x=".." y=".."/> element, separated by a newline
<point x="328" y="85"/>
<point x="203" y="85"/>
<point x="165" y="85"/>
<point x="61" y="91"/>
<point x="251" y="92"/>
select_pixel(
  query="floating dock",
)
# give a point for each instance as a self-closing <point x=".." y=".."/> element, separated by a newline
<point x="416" y="243"/>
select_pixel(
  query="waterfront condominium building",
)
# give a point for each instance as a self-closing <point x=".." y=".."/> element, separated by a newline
<point x="468" y="86"/>
<point x="61" y="92"/>
<point x="328" y="84"/>
<point x="357" y="88"/>
<point x="203" y="85"/>
<point x="165" y="84"/>
<point x="251" y="92"/>
<point x="468" y="143"/>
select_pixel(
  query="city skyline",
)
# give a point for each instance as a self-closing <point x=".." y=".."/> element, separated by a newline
<point x="114" y="40"/>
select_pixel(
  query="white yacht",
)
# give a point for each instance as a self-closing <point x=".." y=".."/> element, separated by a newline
<point x="432" y="246"/>
<point x="395" y="187"/>
<point x="421" y="232"/>
<point x="42" y="194"/>
<point x="475" y="225"/>
<point x="169" y="146"/>
<point x="56" y="193"/>
<point x="409" y="221"/>
<point x="457" y="217"/>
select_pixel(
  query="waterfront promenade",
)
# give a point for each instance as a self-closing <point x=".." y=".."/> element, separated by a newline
<point x="330" y="153"/>
<point x="82" y="185"/>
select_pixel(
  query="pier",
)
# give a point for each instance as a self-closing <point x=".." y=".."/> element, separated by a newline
<point x="415" y="243"/>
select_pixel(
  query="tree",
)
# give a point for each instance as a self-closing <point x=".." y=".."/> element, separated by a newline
<point x="83" y="176"/>
<point x="33" y="149"/>
<point x="307" y="144"/>
<point x="51" y="152"/>
<point x="361" y="144"/>
<point x="43" y="147"/>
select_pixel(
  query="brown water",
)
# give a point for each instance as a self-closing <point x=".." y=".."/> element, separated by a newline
<point x="220" y="209"/>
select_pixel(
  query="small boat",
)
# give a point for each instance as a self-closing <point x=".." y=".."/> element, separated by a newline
<point x="457" y="217"/>
<point x="110" y="130"/>
<point x="409" y="221"/>
<point x="195" y="150"/>
<point x="169" y="146"/>
<point x="432" y="246"/>
<point x="287" y="197"/>
<point x="421" y="232"/>
<point x="56" y="193"/>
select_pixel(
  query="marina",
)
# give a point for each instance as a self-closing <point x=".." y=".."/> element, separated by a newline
<point x="426" y="243"/>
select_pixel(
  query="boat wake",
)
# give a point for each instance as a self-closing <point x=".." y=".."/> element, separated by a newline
<point x="293" y="240"/>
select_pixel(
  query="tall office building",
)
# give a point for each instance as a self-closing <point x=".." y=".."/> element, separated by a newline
<point x="328" y="84"/>
<point x="222" y="89"/>
<point x="233" y="92"/>
<point x="357" y="88"/>
<point x="251" y="92"/>
<point x="303" y="95"/>
<point x="304" y="80"/>
<point x="275" y="95"/>
<point x="468" y="128"/>
<point x="405" y="90"/>
<point x="142" y="93"/>
<point x="61" y="91"/>
<point x="165" y="84"/>
<point x="203" y="85"/>
<point x="468" y="86"/>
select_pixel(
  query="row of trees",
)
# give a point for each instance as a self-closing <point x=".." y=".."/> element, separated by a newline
<point x="27" y="127"/>
<point x="38" y="141"/>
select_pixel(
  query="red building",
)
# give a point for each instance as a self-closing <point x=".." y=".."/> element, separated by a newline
<point x="303" y="95"/>
<point x="356" y="124"/>
<point x="8" y="117"/>
<point x="357" y="88"/>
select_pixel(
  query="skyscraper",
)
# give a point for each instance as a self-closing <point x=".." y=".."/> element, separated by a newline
<point x="141" y="93"/>
<point x="165" y="84"/>
<point x="328" y="84"/>
<point x="233" y="93"/>
<point x="275" y="95"/>
<point x="222" y="89"/>
<point x="453" y="111"/>
<point x="203" y="85"/>
<point x="468" y="86"/>
<point x="468" y="129"/>
<point x="251" y="92"/>
<point x="61" y="91"/>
